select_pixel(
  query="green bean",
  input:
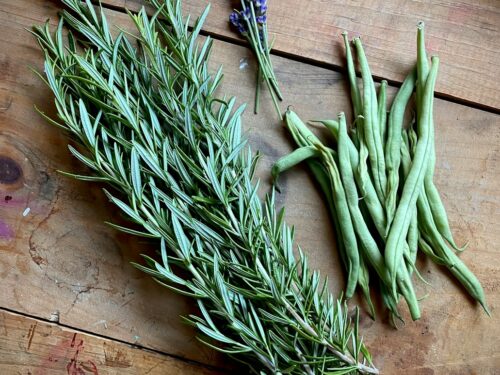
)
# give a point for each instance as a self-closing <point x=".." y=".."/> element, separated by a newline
<point x="351" y="74"/>
<point x="300" y="132"/>
<point x="444" y="256"/>
<point x="393" y="144"/>
<point x="370" y="197"/>
<point x="452" y="262"/>
<point x="363" y="160"/>
<point x="334" y="190"/>
<point x="368" y="244"/>
<point x="414" y="182"/>
<point x="364" y="281"/>
<point x="436" y="204"/>
<point x="321" y="176"/>
<point x="412" y="238"/>
<point x="345" y="221"/>
<point x="377" y="216"/>
<point x="427" y="250"/>
<point x="413" y="235"/>
<point x="295" y="157"/>
<point x="382" y="110"/>
<point x="371" y="131"/>
<point x="439" y="213"/>
<point x="331" y="125"/>
<point x="406" y="289"/>
<point x="422" y="65"/>
<point x="389" y="301"/>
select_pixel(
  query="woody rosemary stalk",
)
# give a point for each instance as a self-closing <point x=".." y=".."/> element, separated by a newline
<point x="144" y="118"/>
<point x="251" y="23"/>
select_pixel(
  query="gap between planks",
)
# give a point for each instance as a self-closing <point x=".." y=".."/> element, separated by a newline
<point x="38" y="319"/>
<point x="313" y="62"/>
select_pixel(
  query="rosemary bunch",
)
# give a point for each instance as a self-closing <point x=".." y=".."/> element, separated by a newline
<point x="251" y="23"/>
<point x="143" y="112"/>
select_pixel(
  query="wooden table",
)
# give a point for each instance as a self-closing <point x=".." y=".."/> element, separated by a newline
<point x="71" y="303"/>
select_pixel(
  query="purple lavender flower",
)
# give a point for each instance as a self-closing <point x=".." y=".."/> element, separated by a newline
<point x="250" y="21"/>
<point x="261" y="19"/>
<point x="234" y="18"/>
<point x="260" y="3"/>
<point x="242" y="28"/>
<point x="247" y="13"/>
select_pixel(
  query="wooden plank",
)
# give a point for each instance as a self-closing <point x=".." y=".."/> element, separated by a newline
<point x="465" y="34"/>
<point x="83" y="269"/>
<point x="31" y="346"/>
<point x="60" y="260"/>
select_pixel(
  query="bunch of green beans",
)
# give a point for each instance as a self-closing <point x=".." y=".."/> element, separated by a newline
<point x="378" y="184"/>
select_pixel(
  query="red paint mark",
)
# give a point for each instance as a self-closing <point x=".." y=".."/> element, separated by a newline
<point x="76" y="367"/>
<point x="90" y="366"/>
<point x="70" y="351"/>
<point x="73" y="369"/>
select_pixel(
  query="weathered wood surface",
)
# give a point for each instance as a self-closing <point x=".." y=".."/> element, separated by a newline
<point x="60" y="261"/>
<point x="30" y="346"/>
<point x="465" y="34"/>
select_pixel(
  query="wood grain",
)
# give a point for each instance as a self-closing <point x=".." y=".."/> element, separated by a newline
<point x="465" y="34"/>
<point x="31" y="346"/>
<point x="60" y="257"/>
<point x="61" y="260"/>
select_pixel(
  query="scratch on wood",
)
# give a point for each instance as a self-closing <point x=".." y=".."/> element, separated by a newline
<point x="154" y="366"/>
<point x="73" y="340"/>
<point x="31" y="333"/>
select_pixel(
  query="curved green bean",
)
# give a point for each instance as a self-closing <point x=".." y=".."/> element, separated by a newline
<point x="368" y="244"/>
<point x="370" y="197"/>
<point x="382" y="110"/>
<point x="291" y="160"/>
<point x="371" y="131"/>
<point x="393" y="144"/>
<point x="351" y="74"/>
<point x="452" y="262"/>
<point x="345" y="221"/>
<point x="333" y="189"/>
<point x="364" y="283"/>
<point x="413" y="234"/>
<point x="414" y="182"/>
<point x="436" y="204"/>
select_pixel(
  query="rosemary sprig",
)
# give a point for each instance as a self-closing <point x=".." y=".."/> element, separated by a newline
<point x="144" y="115"/>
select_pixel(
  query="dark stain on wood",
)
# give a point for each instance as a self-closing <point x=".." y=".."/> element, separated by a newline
<point x="10" y="171"/>
<point x="114" y="357"/>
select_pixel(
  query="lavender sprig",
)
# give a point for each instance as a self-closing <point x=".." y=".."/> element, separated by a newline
<point x="251" y="23"/>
